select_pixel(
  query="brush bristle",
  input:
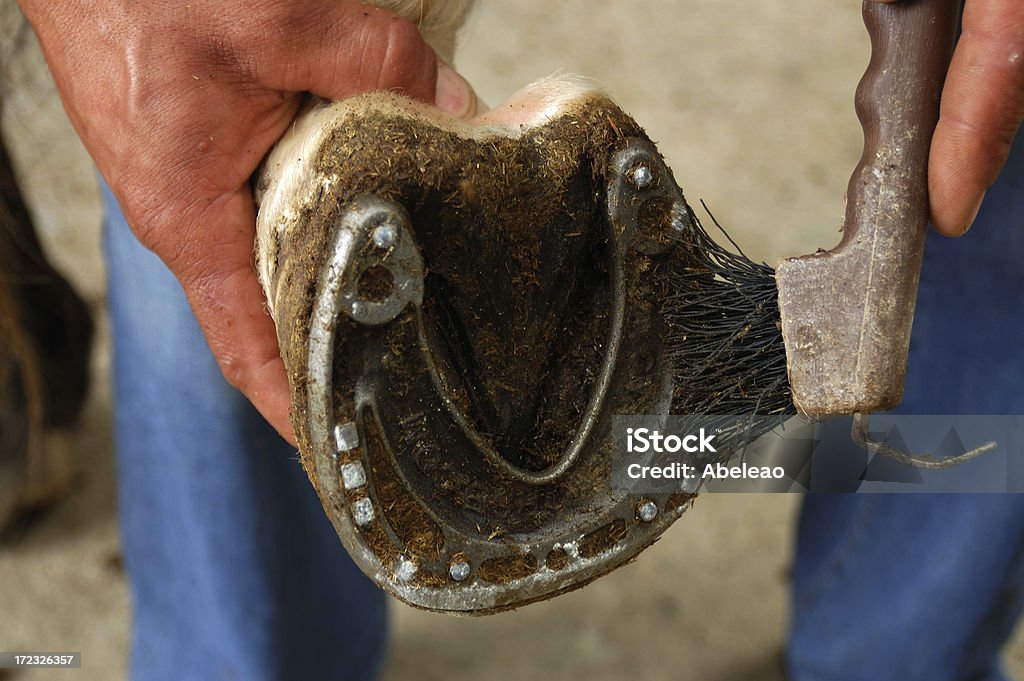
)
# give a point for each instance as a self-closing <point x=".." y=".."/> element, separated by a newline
<point x="726" y="343"/>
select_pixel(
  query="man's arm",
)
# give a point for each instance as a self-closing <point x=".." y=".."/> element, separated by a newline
<point x="178" y="102"/>
<point x="982" y="109"/>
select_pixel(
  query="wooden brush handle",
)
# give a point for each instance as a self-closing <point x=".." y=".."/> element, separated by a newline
<point x="898" y="105"/>
<point x="847" y="313"/>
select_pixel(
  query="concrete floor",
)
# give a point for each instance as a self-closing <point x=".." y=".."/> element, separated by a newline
<point x="752" y="105"/>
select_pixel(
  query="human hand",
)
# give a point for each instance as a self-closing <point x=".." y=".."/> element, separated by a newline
<point x="982" y="109"/>
<point x="179" y="102"/>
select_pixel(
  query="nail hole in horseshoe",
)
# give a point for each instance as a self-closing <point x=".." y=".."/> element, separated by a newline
<point x="376" y="284"/>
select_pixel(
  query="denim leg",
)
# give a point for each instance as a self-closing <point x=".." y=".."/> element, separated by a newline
<point x="235" y="571"/>
<point x="890" y="586"/>
<point x="929" y="586"/>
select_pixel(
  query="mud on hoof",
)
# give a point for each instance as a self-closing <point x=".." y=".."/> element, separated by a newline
<point x="462" y="308"/>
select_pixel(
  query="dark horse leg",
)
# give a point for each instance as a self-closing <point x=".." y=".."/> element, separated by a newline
<point x="46" y="335"/>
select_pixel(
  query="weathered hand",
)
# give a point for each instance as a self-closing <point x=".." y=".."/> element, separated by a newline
<point x="178" y="102"/>
<point x="982" y="108"/>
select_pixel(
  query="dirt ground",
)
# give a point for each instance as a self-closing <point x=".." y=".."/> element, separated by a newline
<point x="752" y="104"/>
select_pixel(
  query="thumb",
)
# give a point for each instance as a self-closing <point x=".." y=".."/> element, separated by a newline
<point x="339" y="49"/>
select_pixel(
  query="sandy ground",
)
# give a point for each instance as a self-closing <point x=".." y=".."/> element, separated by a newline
<point x="752" y="105"/>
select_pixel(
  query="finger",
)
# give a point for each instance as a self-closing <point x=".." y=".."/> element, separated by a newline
<point x="215" y="268"/>
<point x="982" y="108"/>
<point x="338" y="49"/>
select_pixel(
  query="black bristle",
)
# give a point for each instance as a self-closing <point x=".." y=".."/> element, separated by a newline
<point x="725" y="338"/>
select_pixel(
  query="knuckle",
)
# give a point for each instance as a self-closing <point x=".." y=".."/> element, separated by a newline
<point x="260" y="43"/>
<point x="394" y="56"/>
<point x="215" y="312"/>
<point x="163" y="231"/>
<point x="236" y="373"/>
<point x="153" y="228"/>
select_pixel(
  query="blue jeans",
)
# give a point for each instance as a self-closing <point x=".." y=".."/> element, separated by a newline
<point x="929" y="586"/>
<point x="235" y="571"/>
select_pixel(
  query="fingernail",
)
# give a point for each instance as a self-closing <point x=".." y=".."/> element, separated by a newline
<point x="974" y="214"/>
<point x="454" y="94"/>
